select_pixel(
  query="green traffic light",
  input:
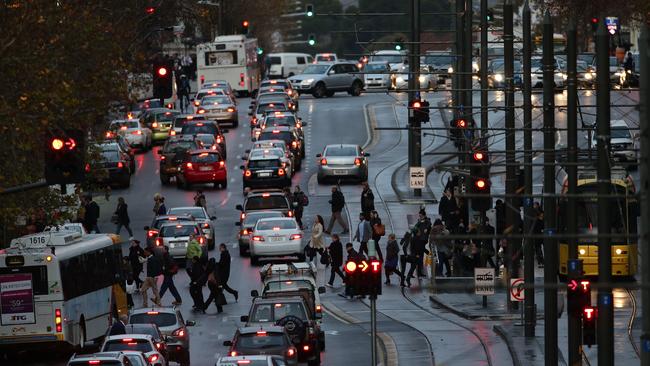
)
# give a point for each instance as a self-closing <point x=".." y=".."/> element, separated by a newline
<point x="260" y="50"/>
<point x="398" y="47"/>
<point x="310" y="13"/>
<point x="311" y="42"/>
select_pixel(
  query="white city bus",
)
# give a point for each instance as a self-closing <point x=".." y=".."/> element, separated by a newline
<point x="231" y="58"/>
<point x="59" y="288"/>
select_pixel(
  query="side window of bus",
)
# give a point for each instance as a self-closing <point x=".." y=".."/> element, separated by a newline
<point x="301" y="60"/>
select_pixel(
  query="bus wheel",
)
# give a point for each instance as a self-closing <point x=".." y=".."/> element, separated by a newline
<point x="82" y="333"/>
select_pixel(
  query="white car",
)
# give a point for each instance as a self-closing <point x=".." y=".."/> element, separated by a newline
<point x="133" y="131"/>
<point x="537" y="71"/>
<point x="276" y="237"/>
<point x="135" y="342"/>
<point x="622" y="141"/>
<point x="176" y="236"/>
<point x="201" y="216"/>
<point x="209" y="92"/>
<point x="377" y="74"/>
<point x="400" y="80"/>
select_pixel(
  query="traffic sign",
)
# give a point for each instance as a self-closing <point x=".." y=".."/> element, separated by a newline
<point x="484" y="281"/>
<point x="516" y="289"/>
<point x="612" y="24"/>
<point x="418" y="177"/>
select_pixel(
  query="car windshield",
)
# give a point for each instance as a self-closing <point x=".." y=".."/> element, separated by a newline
<point x="438" y="60"/>
<point x="285" y="136"/>
<point x="110" y="155"/>
<point x="199" y="128"/>
<point x="266" y="153"/>
<point x="154" y="317"/>
<point x="142" y="329"/>
<point x="277" y="311"/>
<point x="215" y="100"/>
<point x="271" y="89"/>
<point x="620" y="133"/>
<point x="252" y="218"/>
<point x="173" y="231"/>
<point x="178" y="146"/>
<point x="341" y="151"/>
<point x="326" y="58"/>
<point x="376" y="67"/>
<point x="281" y="120"/>
<point x="316" y="69"/>
<point x="271" y="107"/>
<point x="266" y="203"/>
<point x="266" y="163"/>
<point x="206" y="140"/>
<point x="275" y="224"/>
<point x="128" y="344"/>
<point x="197" y="212"/>
<point x="206" y="158"/>
<point x="260" y="340"/>
<point x="392" y="59"/>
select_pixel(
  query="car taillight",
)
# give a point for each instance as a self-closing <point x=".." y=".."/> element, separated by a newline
<point x="247" y="173"/>
<point x="172" y="132"/>
<point x="233" y="353"/>
<point x="258" y="238"/>
<point x="280" y="171"/>
<point x="253" y="121"/>
<point x="159" y="242"/>
<point x="188" y="166"/>
<point x="200" y="111"/>
<point x="180" y="332"/>
<point x="120" y="165"/>
<point x="305" y="348"/>
<point x="58" y="320"/>
<point x="323" y="161"/>
<point x="241" y="79"/>
<point x="202" y="240"/>
<point x="153" y="358"/>
<point x="138" y="132"/>
<point x="197" y="103"/>
<point x="159" y="345"/>
<point x="230" y="109"/>
<point x="296" y="236"/>
<point x="94" y="362"/>
<point x="319" y="308"/>
<point x="206" y="226"/>
<point x="218" y="139"/>
<point x="242" y="216"/>
<point x="289" y="92"/>
<point x="290" y="213"/>
<point x="261" y="333"/>
<point x="154" y="125"/>
<point x="244" y="232"/>
<point x="294" y="144"/>
<point x="222" y="163"/>
<point x="152" y="233"/>
<point x="357" y="161"/>
<point x="87" y="168"/>
<point x="109" y="134"/>
<point x="163" y="157"/>
<point x="291" y="352"/>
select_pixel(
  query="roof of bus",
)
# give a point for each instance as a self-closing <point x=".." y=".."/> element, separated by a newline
<point x="78" y="245"/>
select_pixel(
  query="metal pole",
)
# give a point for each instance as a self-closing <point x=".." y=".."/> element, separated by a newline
<point x="467" y="65"/>
<point x="373" y="329"/>
<point x="512" y="221"/>
<point x="644" y="168"/>
<point x="415" y="137"/>
<point x="605" y="308"/>
<point x="529" y="250"/>
<point x="575" y="331"/>
<point x="550" y="248"/>
<point x="457" y="81"/>
<point x="483" y="71"/>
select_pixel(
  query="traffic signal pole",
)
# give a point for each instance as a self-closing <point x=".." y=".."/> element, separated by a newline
<point x="550" y="245"/>
<point x="644" y="168"/>
<point x="605" y="307"/>
<point x="458" y="83"/>
<point x="373" y="328"/>
<point x="414" y="133"/>
<point x="483" y="71"/>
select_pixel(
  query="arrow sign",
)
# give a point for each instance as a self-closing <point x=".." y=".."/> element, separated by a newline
<point x="364" y="266"/>
<point x="572" y="285"/>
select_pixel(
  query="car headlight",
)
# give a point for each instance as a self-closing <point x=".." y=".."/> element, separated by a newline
<point x="588" y="76"/>
<point x="307" y="81"/>
<point x="422" y="78"/>
<point x="400" y="79"/>
<point x="450" y="70"/>
<point x="498" y="77"/>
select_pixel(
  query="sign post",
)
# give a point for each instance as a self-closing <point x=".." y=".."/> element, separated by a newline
<point x="517" y="294"/>
<point x="484" y="283"/>
<point x="417" y="177"/>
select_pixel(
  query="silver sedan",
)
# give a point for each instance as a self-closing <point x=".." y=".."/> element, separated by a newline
<point x="342" y="161"/>
<point x="220" y="109"/>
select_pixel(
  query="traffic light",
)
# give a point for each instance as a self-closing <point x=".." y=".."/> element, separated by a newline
<point x="425" y="111"/>
<point x="480" y="180"/>
<point x="490" y="15"/>
<point x="309" y="10"/>
<point x="589" y="316"/>
<point x="244" y="27"/>
<point x="260" y="50"/>
<point x="162" y="80"/>
<point x="594" y="23"/>
<point x="364" y="277"/>
<point x="457" y="129"/>
<point x="399" y="44"/>
<point x="150" y="10"/>
<point x="420" y="110"/>
<point x="311" y="39"/>
<point x="65" y="155"/>
<point x="578" y="295"/>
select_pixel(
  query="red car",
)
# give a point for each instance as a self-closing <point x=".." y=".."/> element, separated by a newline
<point x="202" y="166"/>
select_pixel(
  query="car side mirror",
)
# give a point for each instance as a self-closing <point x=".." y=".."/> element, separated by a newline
<point x="331" y="72"/>
<point x="213" y="217"/>
<point x="366" y="154"/>
<point x="321" y="290"/>
<point x="237" y="223"/>
<point x="319" y="155"/>
<point x="244" y="318"/>
<point x="146" y="228"/>
<point x="254" y="293"/>
<point x="227" y="343"/>
<point x="190" y="323"/>
<point x="239" y="207"/>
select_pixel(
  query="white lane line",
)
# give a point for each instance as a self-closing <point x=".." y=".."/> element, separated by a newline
<point x="225" y="200"/>
<point x="311" y="185"/>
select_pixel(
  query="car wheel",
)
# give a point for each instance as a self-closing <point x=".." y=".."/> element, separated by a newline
<point x="329" y="93"/>
<point x="319" y="90"/>
<point x="254" y="260"/>
<point x="164" y="179"/>
<point x="356" y="89"/>
<point x="321" y="341"/>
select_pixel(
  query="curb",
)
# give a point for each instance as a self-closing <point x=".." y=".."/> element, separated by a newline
<point x="509" y="343"/>
<point x="466" y="315"/>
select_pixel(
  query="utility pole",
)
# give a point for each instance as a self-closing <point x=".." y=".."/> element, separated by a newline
<point x="574" y="324"/>
<point x="483" y="72"/>
<point x="512" y="219"/>
<point x="550" y="247"/>
<point x="644" y="243"/>
<point x="457" y="81"/>
<point x="529" y="249"/>
<point x="415" y="137"/>
<point x="605" y="307"/>
<point x="467" y="68"/>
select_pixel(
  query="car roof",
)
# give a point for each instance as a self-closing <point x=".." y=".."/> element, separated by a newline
<point x="159" y="309"/>
<point x="277" y="128"/>
<point x="271" y="300"/>
<point x="177" y="138"/>
<point x="127" y="336"/>
<point x="182" y="223"/>
<point x="204" y="151"/>
<point x="277" y="219"/>
<point x="272" y="192"/>
<point x="332" y="146"/>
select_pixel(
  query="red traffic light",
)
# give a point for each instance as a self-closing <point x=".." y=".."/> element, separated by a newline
<point x="594" y="20"/>
<point x="375" y="266"/>
<point x="478" y="156"/>
<point x="57" y="144"/>
<point x="589" y="313"/>
<point x="350" y="267"/>
<point x="162" y="71"/>
<point x="245" y="23"/>
<point x="480" y="184"/>
<point x="416" y="104"/>
<point x="585" y="286"/>
<point x="149" y="10"/>
<point x="461" y="123"/>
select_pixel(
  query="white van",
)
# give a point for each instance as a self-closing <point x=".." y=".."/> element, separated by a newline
<point x="284" y="65"/>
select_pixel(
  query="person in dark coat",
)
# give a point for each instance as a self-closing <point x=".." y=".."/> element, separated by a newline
<point x="223" y="269"/>
<point x="298" y="201"/>
<point x="122" y="217"/>
<point x="447" y="208"/>
<point x="367" y="199"/>
<point x="501" y="216"/>
<point x="538" y="229"/>
<point x="215" y="285"/>
<point x="91" y="214"/>
<point x="421" y="232"/>
<point x="392" y="259"/>
<point x="169" y="270"/>
<point x="376" y="220"/>
<point x="336" y="255"/>
<point x="119" y="326"/>
<point x="135" y="251"/>
<point x="338" y="203"/>
<point x="196" y="284"/>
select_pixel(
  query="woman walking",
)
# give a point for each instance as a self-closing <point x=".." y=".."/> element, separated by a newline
<point x="378" y="230"/>
<point x="215" y="285"/>
<point x="316" y="243"/>
<point x="122" y="215"/>
<point x="392" y="259"/>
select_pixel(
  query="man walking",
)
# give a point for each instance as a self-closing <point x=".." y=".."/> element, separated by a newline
<point x="91" y="214"/>
<point x="367" y="199"/>
<point x="336" y="256"/>
<point x="223" y="268"/>
<point x="169" y="270"/>
<point x="196" y="285"/>
<point x="193" y="250"/>
<point x="421" y="232"/>
<point x="153" y="268"/>
<point x="300" y="200"/>
<point x="338" y="203"/>
<point x="122" y="214"/>
<point x="136" y="251"/>
<point x="363" y="233"/>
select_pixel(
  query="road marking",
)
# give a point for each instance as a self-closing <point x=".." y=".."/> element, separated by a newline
<point x="311" y="185"/>
<point x="241" y="146"/>
<point x="225" y="200"/>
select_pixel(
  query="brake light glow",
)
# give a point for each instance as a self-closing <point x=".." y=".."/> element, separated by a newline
<point x="94" y="362"/>
<point x="206" y="225"/>
<point x="280" y="172"/>
<point x="125" y="340"/>
<point x="109" y="134"/>
<point x="200" y="111"/>
<point x="357" y="161"/>
<point x="136" y="132"/>
<point x="294" y="144"/>
<point x="265" y="195"/>
<point x="153" y="358"/>
<point x="188" y="165"/>
<point x="222" y="164"/>
<point x="120" y="165"/>
<point x="290" y="213"/>
<point x="159" y="242"/>
<point x="218" y="139"/>
<point x="199" y="124"/>
<point x="233" y="353"/>
<point x="241" y="79"/>
<point x="242" y="216"/>
<point x="289" y="92"/>
<point x="276" y="131"/>
<point x="163" y="157"/>
<point x="152" y="313"/>
<point x="244" y="232"/>
<point x="152" y="233"/>
<point x="123" y="128"/>
<point x="323" y="161"/>
<point x="172" y="132"/>
<point x="203" y="155"/>
<point x="261" y="333"/>
<point x="201" y="240"/>
<point x="319" y="308"/>
<point x="247" y="173"/>
<point x="180" y="332"/>
<point x="58" y="320"/>
<point x="154" y="125"/>
<point x="291" y="352"/>
<point x="296" y="236"/>
<point x="258" y="238"/>
<point x="197" y="103"/>
<point x="305" y="348"/>
<point x="231" y="109"/>
<point x="243" y="362"/>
